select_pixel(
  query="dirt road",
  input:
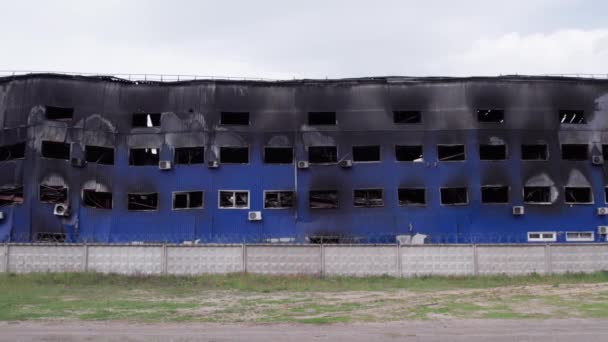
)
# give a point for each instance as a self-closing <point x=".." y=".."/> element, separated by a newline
<point x="579" y="330"/>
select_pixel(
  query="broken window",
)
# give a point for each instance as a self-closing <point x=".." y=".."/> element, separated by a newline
<point x="450" y="152"/>
<point x="494" y="194"/>
<point x="146" y="120"/>
<point x="323" y="199"/>
<point x="97" y="199"/>
<point x="578" y="195"/>
<point x="143" y="156"/>
<point x="99" y="154"/>
<point x="575" y="152"/>
<point x="234" y="155"/>
<point x="188" y="200"/>
<point x="366" y="153"/>
<point x="189" y="155"/>
<point x="534" y="152"/>
<point x="368" y="198"/>
<point x="50" y="237"/>
<point x="537" y="194"/>
<point x="407" y="116"/>
<point x="234" y="118"/>
<point x="322" y="154"/>
<point x="491" y="115"/>
<point x="278" y="155"/>
<point x="412" y="196"/>
<point x="55" y="150"/>
<point x="279" y="199"/>
<point x="492" y="152"/>
<point x="234" y="199"/>
<point x="14" y="151"/>
<point x="11" y="195"/>
<point x="321" y="118"/>
<point x="454" y="196"/>
<point x="59" y="113"/>
<point x="53" y="193"/>
<point x="142" y="201"/>
<point x="572" y="117"/>
<point x="408" y="153"/>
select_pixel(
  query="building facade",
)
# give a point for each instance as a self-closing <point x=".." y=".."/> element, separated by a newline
<point x="487" y="159"/>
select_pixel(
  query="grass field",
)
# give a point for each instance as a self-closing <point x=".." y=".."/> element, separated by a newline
<point x="300" y="299"/>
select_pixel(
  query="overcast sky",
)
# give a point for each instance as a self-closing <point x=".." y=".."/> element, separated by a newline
<point x="306" y="39"/>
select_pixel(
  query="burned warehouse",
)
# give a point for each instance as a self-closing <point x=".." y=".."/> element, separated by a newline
<point x="458" y="160"/>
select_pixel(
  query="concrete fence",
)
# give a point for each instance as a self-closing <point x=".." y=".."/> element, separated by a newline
<point x="330" y="260"/>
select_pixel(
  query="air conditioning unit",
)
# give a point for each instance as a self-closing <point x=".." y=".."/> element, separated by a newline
<point x="254" y="216"/>
<point x="213" y="164"/>
<point x="77" y="162"/>
<point x="61" y="210"/>
<point x="603" y="211"/>
<point x="346" y="163"/>
<point x="518" y="210"/>
<point x="164" y="165"/>
<point x="602" y="230"/>
<point x="597" y="160"/>
<point x="1" y="215"/>
<point x="303" y="164"/>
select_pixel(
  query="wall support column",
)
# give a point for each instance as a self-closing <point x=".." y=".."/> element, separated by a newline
<point x="475" y="260"/>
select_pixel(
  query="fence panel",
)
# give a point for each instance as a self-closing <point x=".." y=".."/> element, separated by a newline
<point x="284" y="259"/>
<point x="437" y="260"/>
<point x="191" y="260"/>
<point x="511" y="259"/>
<point x="579" y="258"/>
<point x="361" y="260"/>
<point x="126" y="259"/>
<point x="50" y="258"/>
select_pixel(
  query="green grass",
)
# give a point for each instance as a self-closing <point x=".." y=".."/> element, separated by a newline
<point x="297" y="299"/>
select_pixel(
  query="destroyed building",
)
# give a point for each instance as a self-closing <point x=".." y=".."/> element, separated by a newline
<point x="479" y="159"/>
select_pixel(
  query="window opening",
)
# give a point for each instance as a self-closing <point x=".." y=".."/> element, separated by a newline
<point x="11" y="195"/>
<point x="575" y="152"/>
<point x="189" y="155"/>
<point x="494" y="194"/>
<point x="53" y="193"/>
<point x="580" y="236"/>
<point x="321" y="118"/>
<point x="368" y="198"/>
<point x="570" y="116"/>
<point x="322" y="154"/>
<point x="146" y="120"/>
<point x="409" y="153"/>
<point x="188" y="200"/>
<point x="234" y="118"/>
<point x="278" y="155"/>
<point x="576" y="195"/>
<point x="537" y="194"/>
<point x="64" y="114"/>
<point x="97" y="199"/>
<point x="454" y="196"/>
<point x="142" y="202"/>
<point x="234" y="155"/>
<point x="11" y="152"/>
<point x="55" y="150"/>
<point x="534" y="152"/>
<point x="407" y="116"/>
<point x="323" y="199"/>
<point x="411" y="196"/>
<point x="491" y="115"/>
<point x="143" y="156"/>
<point x="450" y="152"/>
<point x="99" y="155"/>
<point x="366" y="153"/>
<point x="279" y="199"/>
<point x="492" y="152"/>
<point x="234" y="199"/>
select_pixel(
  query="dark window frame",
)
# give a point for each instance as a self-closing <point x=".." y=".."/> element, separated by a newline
<point x="506" y="152"/>
<point x="278" y="147"/>
<point x="409" y="146"/>
<point x="323" y="163"/>
<point x="590" y="189"/>
<point x="21" y="146"/>
<point x="536" y="203"/>
<point x="64" y="114"/>
<point x="58" y="188"/>
<point x="154" y="117"/>
<point x="480" y="115"/>
<point x="188" y="193"/>
<point x="235" y="147"/>
<point x="316" y="115"/>
<point x="13" y="188"/>
<point x="379" y="160"/>
<point x="236" y="119"/>
<point x="406" y="113"/>
<point x="382" y="204"/>
<point x="177" y="151"/>
<point x="575" y="114"/>
<point x="401" y="204"/>
<point x="86" y="154"/>
<point x="234" y="204"/>
<point x="83" y="195"/>
<point x="143" y="194"/>
<point x="547" y="152"/>
<point x="337" y="204"/>
<point x="466" y="192"/>
<point x="42" y="143"/>
<point x="508" y="188"/>
<point x="464" y="153"/>
<point x="577" y="159"/>
<point x="147" y="163"/>
<point x="279" y="192"/>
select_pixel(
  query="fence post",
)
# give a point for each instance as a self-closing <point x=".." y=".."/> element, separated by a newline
<point x="6" y="252"/>
<point x="548" y="260"/>
<point x="85" y="262"/>
<point x="475" y="260"/>
<point x="163" y="269"/>
<point x="244" y="256"/>
<point x="322" y="257"/>
<point x="399" y="262"/>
